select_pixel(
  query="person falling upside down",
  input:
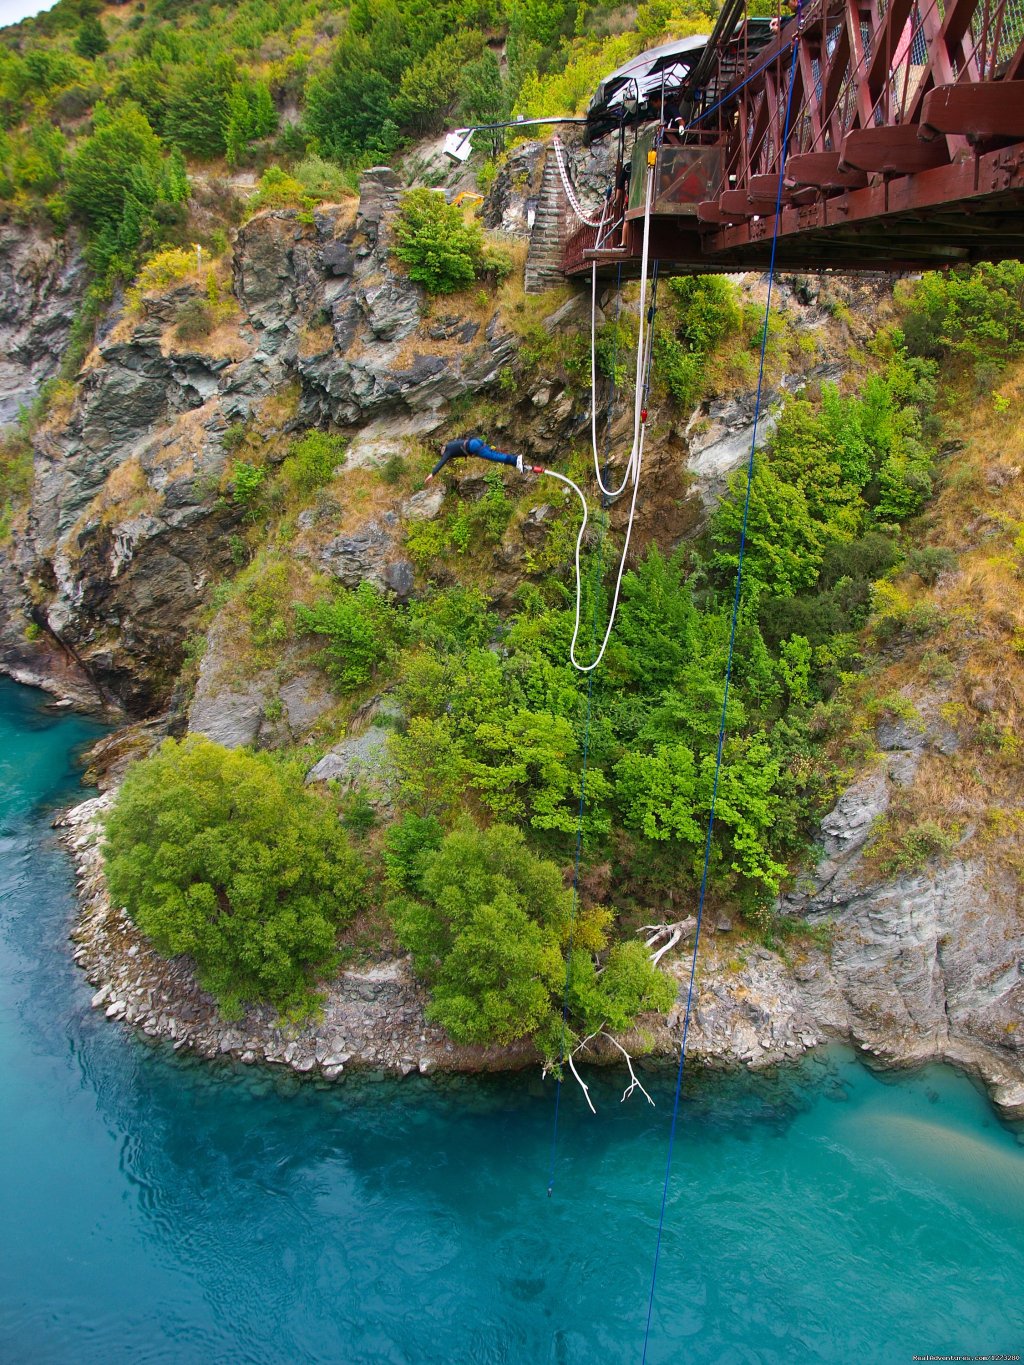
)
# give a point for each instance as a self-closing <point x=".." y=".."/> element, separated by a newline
<point x="464" y="446"/>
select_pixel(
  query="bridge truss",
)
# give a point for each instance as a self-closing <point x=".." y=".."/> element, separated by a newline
<point x="905" y="149"/>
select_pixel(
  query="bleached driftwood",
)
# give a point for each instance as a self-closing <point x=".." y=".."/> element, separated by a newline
<point x="634" y="1080"/>
<point x="671" y="933"/>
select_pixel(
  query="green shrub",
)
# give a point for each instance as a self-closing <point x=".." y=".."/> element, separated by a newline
<point x="358" y="814"/>
<point x="247" y="482"/>
<point x="323" y="180"/>
<point x="443" y="251"/>
<point x="394" y="469"/>
<point x="707" y="308"/>
<point x="454" y="619"/>
<point x="495" y="509"/>
<point x="930" y="561"/>
<point x="313" y="460"/>
<point x="225" y="856"/>
<point x="680" y="370"/>
<point x="266" y="592"/>
<point x="915" y="848"/>
<point x="405" y="845"/>
<point x="976" y="312"/>
<point x="613" y="348"/>
<point x="487" y="926"/>
<point x="426" y="542"/>
<point x="362" y="629"/>
<point x="233" y="436"/>
<point x="277" y="190"/>
<point x="122" y="187"/>
<point x="15" y="468"/>
<point x="91" y="40"/>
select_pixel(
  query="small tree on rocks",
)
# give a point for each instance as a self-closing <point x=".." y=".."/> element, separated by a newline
<point x="224" y="855"/>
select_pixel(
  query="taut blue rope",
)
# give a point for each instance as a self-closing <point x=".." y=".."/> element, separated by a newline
<point x="725" y="703"/>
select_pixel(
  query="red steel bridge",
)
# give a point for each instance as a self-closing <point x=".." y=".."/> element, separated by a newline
<point x="905" y="148"/>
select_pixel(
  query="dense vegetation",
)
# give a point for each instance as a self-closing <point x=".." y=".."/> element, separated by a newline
<point x="110" y="120"/>
<point x="489" y="925"/>
<point x="224" y="856"/>
<point x="98" y="107"/>
<point x="486" y="758"/>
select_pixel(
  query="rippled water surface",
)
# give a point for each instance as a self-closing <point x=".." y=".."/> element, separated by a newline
<point x="156" y="1210"/>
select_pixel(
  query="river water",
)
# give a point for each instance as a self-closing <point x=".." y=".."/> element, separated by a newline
<point x="160" y="1210"/>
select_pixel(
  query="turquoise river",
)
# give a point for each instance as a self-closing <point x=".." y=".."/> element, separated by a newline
<point x="159" y="1210"/>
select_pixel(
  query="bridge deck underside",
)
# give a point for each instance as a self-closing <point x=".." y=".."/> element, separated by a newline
<point x="952" y="215"/>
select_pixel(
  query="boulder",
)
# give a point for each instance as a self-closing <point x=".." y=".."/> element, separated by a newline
<point x="359" y="760"/>
<point x="361" y="557"/>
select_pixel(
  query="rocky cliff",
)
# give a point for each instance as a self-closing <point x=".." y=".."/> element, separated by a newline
<point x="42" y="283"/>
<point x="132" y="526"/>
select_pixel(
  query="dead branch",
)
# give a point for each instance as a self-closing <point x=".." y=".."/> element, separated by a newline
<point x="672" y="933"/>
<point x="634" y="1082"/>
<point x="583" y="1085"/>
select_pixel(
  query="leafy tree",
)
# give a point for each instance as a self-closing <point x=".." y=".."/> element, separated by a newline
<point x="430" y="763"/>
<point x="405" y="845"/>
<point x="487" y="928"/>
<point x="527" y="769"/>
<point x="785" y="544"/>
<point x="429" y="88"/>
<point x="443" y="251"/>
<point x="485" y="97"/>
<point x="486" y="934"/>
<point x="976" y="312"/>
<point x="541" y="20"/>
<point x="117" y="183"/>
<point x="707" y="310"/>
<point x="313" y="460"/>
<point x="361" y="627"/>
<point x="225" y="856"/>
<point x="199" y="107"/>
<point x="658" y="793"/>
<point x="250" y="115"/>
<point x="91" y="41"/>
<point x="349" y="107"/>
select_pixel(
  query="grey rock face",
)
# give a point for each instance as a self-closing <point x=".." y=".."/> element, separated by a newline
<point x="42" y="283"/>
<point x="126" y="584"/>
<point x="400" y="578"/>
<point x="277" y="268"/>
<point x="361" y="557"/>
<point x="224" y="709"/>
<point x="355" y="761"/>
<point x="512" y="199"/>
<point x="424" y="505"/>
<point x="391" y="308"/>
<point x="926" y="965"/>
<point x="305" y="699"/>
<point x="338" y="258"/>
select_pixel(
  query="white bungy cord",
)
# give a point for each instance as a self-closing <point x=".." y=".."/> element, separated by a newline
<point x="633" y="464"/>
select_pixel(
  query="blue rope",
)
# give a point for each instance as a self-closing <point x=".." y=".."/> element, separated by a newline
<point x="721" y="726"/>
<point x="598" y="566"/>
<point x="734" y="90"/>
